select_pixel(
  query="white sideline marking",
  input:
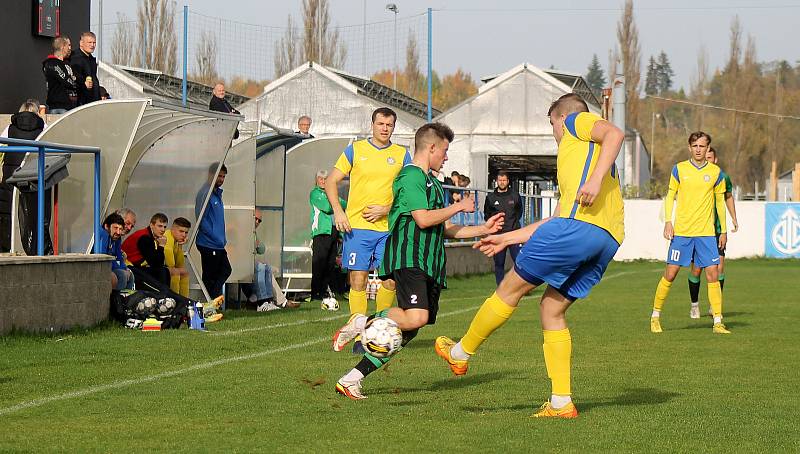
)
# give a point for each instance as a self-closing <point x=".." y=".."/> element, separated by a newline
<point x="215" y="363"/>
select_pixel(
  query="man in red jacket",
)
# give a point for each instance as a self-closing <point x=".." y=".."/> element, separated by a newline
<point x="145" y="248"/>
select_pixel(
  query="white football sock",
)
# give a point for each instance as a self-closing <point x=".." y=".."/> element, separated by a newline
<point x="717" y="319"/>
<point x="559" y="401"/>
<point x="458" y="353"/>
<point x="352" y="376"/>
<point x="655" y="314"/>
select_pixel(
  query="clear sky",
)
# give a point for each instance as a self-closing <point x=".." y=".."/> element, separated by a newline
<point x="485" y="38"/>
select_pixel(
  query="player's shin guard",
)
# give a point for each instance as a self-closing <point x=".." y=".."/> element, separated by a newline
<point x="715" y="298"/>
<point x="557" y="348"/>
<point x="492" y="315"/>
<point x="662" y="291"/>
<point x="694" y="287"/>
<point x="358" y="301"/>
<point x="384" y="299"/>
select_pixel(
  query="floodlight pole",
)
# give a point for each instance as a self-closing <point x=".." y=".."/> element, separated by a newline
<point x="364" y="44"/>
<point x="393" y="8"/>
<point x="430" y="65"/>
<point x="100" y="30"/>
<point x="185" y="51"/>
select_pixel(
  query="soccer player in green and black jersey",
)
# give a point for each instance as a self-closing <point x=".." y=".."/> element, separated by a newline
<point x="414" y="255"/>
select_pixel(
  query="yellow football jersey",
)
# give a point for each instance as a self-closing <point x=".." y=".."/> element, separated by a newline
<point x="372" y="171"/>
<point x="695" y="188"/>
<point x="577" y="158"/>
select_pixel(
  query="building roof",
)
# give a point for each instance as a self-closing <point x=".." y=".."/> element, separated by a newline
<point x="165" y="86"/>
<point x="575" y="81"/>
<point x="386" y="95"/>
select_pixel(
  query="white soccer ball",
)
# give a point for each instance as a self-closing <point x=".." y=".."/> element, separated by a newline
<point x="382" y="337"/>
<point x="329" y="304"/>
<point x="166" y="305"/>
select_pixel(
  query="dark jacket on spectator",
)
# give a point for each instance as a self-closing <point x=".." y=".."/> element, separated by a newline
<point x="24" y="125"/>
<point x="508" y="202"/>
<point x="85" y="65"/>
<point x="62" y="89"/>
<point x="222" y="105"/>
<point x="143" y="249"/>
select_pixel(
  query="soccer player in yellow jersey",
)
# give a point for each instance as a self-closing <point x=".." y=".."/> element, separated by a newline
<point x="372" y="165"/>
<point x="173" y="256"/>
<point x="699" y="187"/>
<point x="569" y="251"/>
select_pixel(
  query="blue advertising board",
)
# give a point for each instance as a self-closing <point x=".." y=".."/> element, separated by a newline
<point x="782" y="230"/>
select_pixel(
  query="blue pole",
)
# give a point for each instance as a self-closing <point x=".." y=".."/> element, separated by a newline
<point x="185" y="48"/>
<point x="96" y="201"/>
<point x="430" y="65"/>
<point x="40" y="208"/>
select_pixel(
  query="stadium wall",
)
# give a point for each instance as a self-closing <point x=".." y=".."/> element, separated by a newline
<point x="644" y="229"/>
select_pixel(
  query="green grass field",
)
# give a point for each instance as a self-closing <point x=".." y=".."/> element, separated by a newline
<point x="264" y="381"/>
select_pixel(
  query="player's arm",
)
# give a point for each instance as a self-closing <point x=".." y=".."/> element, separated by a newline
<point x="332" y="191"/>
<point x="669" y="203"/>
<point x="719" y="205"/>
<point x="494" y="244"/>
<point x="732" y="210"/>
<point x="492" y="225"/>
<point x="610" y="139"/>
<point x="429" y="218"/>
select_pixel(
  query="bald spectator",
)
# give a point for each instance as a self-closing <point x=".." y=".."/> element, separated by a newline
<point x="303" y="125"/>
<point x="129" y="217"/>
<point x="84" y="66"/>
<point x="218" y="103"/>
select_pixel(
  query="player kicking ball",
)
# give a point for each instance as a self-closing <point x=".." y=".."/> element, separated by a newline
<point x="414" y="256"/>
<point x="569" y="251"/>
<point x="699" y="187"/>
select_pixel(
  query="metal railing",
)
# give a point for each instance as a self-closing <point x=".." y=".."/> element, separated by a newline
<point x="42" y="148"/>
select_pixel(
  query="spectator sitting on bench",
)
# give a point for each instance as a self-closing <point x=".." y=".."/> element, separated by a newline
<point x="145" y="248"/>
<point x="109" y="242"/>
<point x="173" y="256"/>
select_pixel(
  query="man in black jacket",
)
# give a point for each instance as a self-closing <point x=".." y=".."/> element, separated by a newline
<point x="218" y="103"/>
<point x="62" y="88"/>
<point x="509" y="202"/>
<point x="84" y="66"/>
<point x="27" y="124"/>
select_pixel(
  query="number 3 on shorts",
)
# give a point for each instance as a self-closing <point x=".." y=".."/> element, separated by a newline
<point x="352" y="260"/>
<point x="675" y="255"/>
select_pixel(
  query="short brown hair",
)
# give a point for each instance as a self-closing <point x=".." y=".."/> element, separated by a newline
<point x="159" y="217"/>
<point x="385" y="111"/>
<point x="182" y="222"/>
<point x="568" y="104"/>
<point x="429" y="132"/>
<point x="502" y="173"/>
<point x="86" y="34"/>
<point x="59" y="43"/>
<point x="695" y="136"/>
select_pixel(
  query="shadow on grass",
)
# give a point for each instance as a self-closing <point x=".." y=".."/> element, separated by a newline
<point x="446" y="384"/>
<point x="708" y="326"/>
<point x="636" y="396"/>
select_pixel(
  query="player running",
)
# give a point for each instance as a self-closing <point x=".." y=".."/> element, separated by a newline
<point x="569" y="251"/>
<point x="699" y="186"/>
<point x="415" y="256"/>
<point x="694" y="277"/>
<point x="372" y="165"/>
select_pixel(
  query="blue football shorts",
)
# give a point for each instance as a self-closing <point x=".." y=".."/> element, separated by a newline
<point x="363" y="249"/>
<point x="569" y="255"/>
<point x="702" y="250"/>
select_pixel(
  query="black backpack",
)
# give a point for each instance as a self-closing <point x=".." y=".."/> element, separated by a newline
<point x="132" y="308"/>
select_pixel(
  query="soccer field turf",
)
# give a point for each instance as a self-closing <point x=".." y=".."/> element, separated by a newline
<point x="264" y="381"/>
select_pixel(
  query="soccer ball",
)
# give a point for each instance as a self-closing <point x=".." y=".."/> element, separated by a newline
<point x="165" y="306"/>
<point x="146" y="306"/>
<point x="382" y="337"/>
<point x="329" y="304"/>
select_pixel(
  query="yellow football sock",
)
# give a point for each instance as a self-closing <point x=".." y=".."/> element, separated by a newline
<point x="184" y="286"/>
<point x="358" y="302"/>
<point x="557" y="348"/>
<point x="492" y="314"/>
<point x="661" y="294"/>
<point x="175" y="283"/>
<point x="715" y="298"/>
<point x="384" y="299"/>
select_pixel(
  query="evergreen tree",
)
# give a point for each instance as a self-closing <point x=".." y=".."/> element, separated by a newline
<point x="651" y="81"/>
<point x="664" y="72"/>
<point x="595" y="76"/>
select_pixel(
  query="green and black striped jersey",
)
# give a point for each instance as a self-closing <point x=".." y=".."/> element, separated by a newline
<point x="409" y="246"/>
